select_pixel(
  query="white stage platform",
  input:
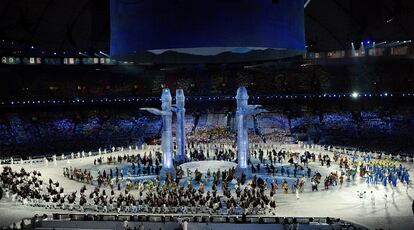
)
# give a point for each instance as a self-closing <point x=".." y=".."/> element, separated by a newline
<point x="203" y="166"/>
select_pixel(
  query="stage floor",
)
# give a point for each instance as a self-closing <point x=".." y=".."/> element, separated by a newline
<point x="395" y="212"/>
<point x="203" y="166"/>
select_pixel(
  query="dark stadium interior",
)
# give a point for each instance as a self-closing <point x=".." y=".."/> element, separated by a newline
<point x="65" y="89"/>
<point x="83" y="31"/>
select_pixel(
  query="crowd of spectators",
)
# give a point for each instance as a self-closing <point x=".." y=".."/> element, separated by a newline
<point x="48" y="133"/>
<point x="51" y="133"/>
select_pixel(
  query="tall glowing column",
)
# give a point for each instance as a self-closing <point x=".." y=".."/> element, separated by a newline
<point x="166" y="136"/>
<point x="180" y="127"/>
<point x="243" y="111"/>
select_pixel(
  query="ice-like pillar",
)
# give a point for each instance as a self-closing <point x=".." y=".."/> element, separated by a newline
<point x="241" y="98"/>
<point x="243" y="111"/>
<point x="166" y="136"/>
<point x="180" y="127"/>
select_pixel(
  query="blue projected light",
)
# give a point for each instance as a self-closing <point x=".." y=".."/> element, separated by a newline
<point x="206" y="27"/>
<point x="367" y="42"/>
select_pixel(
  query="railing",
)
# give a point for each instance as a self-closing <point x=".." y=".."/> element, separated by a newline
<point x="391" y="49"/>
<point x="50" y="158"/>
<point x="41" y="159"/>
<point x="398" y="50"/>
<point x="57" y="218"/>
<point x="33" y="102"/>
<point x="350" y="151"/>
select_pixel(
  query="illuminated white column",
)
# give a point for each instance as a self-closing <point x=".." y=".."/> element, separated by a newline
<point x="166" y="136"/>
<point x="243" y="111"/>
<point x="180" y="127"/>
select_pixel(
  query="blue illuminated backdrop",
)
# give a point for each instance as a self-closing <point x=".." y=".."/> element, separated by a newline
<point x="142" y="25"/>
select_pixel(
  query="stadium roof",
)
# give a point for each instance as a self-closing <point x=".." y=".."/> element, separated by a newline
<point x="84" y="24"/>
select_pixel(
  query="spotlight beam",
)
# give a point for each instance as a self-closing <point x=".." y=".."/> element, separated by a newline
<point x="104" y="54"/>
<point x="307" y="3"/>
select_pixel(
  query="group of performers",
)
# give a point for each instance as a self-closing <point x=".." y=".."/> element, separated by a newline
<point x="385" y="172"/>
<point x="375" y="171"/>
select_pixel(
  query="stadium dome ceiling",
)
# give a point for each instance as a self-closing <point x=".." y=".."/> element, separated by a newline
<point x="55" y="24"/>
<point x="84" y="24"/>
<point x="334" y="24"/>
